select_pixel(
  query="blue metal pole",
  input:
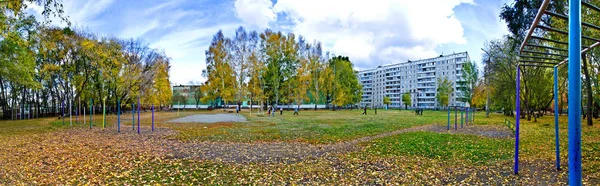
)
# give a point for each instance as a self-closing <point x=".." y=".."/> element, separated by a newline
<point x="133" y="116"/>
<point x="467" y="117"/>
<point x="575" y="92"/>
<point x="138" y="111"/>
<point x="152" y="117"/>
<point x="455" y="118"/>
<point x="448" y="118"/>
<point x="462" y="117"/>
<point x="91" y="107"/>
<point x="119" y="116"/>
<point x="63" y="112"/>
<point x="556" y="139"/>
<point x="517" y="119"/>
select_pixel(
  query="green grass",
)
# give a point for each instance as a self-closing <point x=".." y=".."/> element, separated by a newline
<point x="409" y="158"/>
<point x="444" y="147"/>
<point x="309" y="126"/>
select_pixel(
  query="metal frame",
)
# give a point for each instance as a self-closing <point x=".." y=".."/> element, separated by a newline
<point x="575" y="52"/>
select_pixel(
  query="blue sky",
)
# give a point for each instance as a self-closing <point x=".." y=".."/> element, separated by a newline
<point x="371" y="33"/>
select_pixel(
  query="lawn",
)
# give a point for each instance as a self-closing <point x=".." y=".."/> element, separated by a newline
<point x="316" y="147"/>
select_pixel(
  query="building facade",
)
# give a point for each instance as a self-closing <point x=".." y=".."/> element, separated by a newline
<point x="418" y="78"/>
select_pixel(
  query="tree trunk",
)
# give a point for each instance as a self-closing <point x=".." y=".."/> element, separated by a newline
<point x="588" y="86"/>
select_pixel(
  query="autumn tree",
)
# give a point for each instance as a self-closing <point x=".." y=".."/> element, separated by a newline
<point x="196" y="92"/>
<point x="220" y="81"/>
<point x="406" y="100"/>
<point x="444" y="89"/>
<point x="386" y="101"/>
<point x="345" y="90"/>
<point x="470" y="76"/>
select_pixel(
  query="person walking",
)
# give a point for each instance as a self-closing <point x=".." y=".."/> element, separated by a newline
<point x="365" y="110"/>
<point x="296" y="111"/>
<point x="375" y="110"/>
<point x="280" y="110"/>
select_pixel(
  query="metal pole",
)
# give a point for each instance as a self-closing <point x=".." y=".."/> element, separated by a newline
<point x="138" y="111"/>
<point x="104" y="113"/>
<point x="467" y="117"/>
<point x="448" y="118"/>
<point x="63" y="111"/>
<point x="556" y="140"/>
<point x="517" y="119"/>
<point x="133" y="116"/>
<point x="119" y="116"/>
<point x="70" y="112"/>
<point x="461" y="117"/>
<point x="152" y="117"/>
<point x="574" y="92"/>
<point x="455" y="118"/>
<point x="91" y="107"/>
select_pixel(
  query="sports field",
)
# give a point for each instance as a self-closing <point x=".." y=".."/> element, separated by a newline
<point x="315" y="147"/>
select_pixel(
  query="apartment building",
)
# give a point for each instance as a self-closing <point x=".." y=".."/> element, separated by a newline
<point x="418" y="78"/>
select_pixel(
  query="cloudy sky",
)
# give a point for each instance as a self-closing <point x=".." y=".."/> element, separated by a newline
<point x="370" y="32"/>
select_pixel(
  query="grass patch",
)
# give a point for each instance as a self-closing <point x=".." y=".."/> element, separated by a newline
<point x="447" y="147"/>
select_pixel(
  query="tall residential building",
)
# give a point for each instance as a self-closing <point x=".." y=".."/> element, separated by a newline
<point x="418" y="78"/>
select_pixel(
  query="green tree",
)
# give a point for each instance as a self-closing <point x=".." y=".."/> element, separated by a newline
<point x="406" y="100"/>
<point x="345" y="87"/>
<point x="220" y="82"/>
<point x="469" y="78"/>
<point x="387" y="100"/>
<point x="443" y="91"/>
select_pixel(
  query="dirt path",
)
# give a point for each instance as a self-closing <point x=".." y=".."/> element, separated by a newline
<point x="286" y="152"/>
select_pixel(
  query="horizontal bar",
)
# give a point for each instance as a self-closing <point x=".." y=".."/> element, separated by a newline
<point x="544" y="66"/>
<point x="550" y="40"/>
<point x="538" y="57"/>
<point x="536" y="21"/>
<point x="553" y="29"/>
<point x="547" y="47"/>
<point x="564" y="32"/>
<point x="562" y="62"/>
<point x="591" y="47"/>
<point x="565" y="17"/>
<point x="583" y="51"/>
<point x="544" y="53"/>
<point x="530" y="61"/>
<point x="591" y="6"/>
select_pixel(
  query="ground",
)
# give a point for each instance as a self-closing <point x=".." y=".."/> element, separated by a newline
<point x="316" y="147"/>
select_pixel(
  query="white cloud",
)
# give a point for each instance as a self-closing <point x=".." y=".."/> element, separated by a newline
<point x="255" y="12"/>
<point x="79" y="12"/>
<point x="372" y="32"/>
<point x="186" y="49"/>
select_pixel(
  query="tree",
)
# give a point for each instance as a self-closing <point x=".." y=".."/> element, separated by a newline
<point x="303" y="77"/>
<point x="256" y="69"/>
<point x="387" y="100"/>
<point x="470" y="75"/>
<point x="345" y="90"/>
<point x="220" y="81"/>
<point x="280" y="53"/>
<point x="406" y="100"/>
<point x="317" y="67"/>
<point x="443" y="91"/>
<point x="196" y="92"/>
<point x="241" y="52"/>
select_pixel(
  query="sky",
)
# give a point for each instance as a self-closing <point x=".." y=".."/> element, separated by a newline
<point x="371" y="33"/>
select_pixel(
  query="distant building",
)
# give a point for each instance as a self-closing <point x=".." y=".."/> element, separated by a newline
<point x="419" y="78"/>
<point x="187" y="92"/>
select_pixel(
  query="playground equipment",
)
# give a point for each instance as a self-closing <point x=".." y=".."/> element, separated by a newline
<point x="119" y="112"/>
<point x="574" y="70"/>
<point x="464" y="117"/>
